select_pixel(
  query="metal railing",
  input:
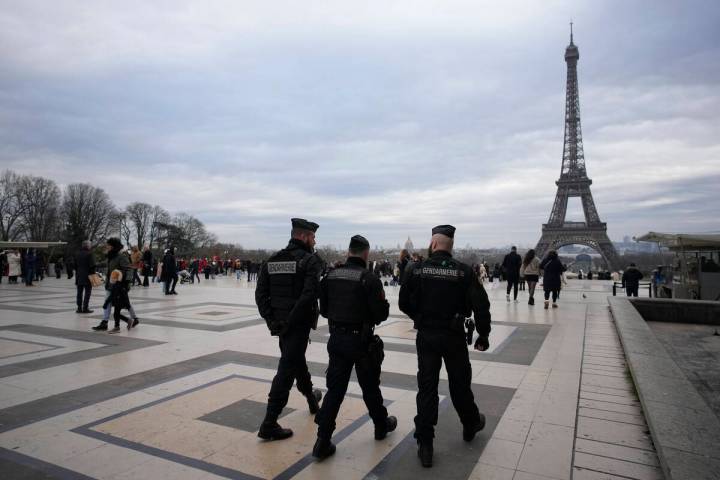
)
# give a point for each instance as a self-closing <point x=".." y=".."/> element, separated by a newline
<point x="640" y="285"/>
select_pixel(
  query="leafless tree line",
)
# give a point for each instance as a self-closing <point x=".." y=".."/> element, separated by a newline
<point x="35" y="209"/>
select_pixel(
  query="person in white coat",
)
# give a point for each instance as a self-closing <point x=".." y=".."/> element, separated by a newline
<point x="14" y="266"/>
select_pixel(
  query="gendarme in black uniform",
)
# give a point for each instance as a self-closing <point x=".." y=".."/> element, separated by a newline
<point x="286" y="295"/>
<point x="438" y="294"/>
<point x="353" y="300"/>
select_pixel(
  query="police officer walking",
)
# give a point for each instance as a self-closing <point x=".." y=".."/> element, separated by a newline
<point x="353" y="300"/>
<point x="286" y="295"/>
<point x="438" y="294"/>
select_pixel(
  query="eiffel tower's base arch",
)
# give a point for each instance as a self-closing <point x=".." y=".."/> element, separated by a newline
<point x="597" y="240"/>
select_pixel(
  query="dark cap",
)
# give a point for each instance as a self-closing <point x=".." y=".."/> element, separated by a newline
<point x="447" y="230"/>
<point x="358" y="242"/>
<point x="303" y="224"/>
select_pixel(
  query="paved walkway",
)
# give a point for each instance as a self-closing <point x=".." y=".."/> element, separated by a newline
<point x="182" y="395"/>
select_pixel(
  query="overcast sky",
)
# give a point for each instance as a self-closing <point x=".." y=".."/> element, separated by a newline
<point x="382" y="118"/>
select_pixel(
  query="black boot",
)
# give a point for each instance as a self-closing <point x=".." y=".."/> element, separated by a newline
<point x="425" y="453"/>
<point x="469" y="431"/>
<point x="382" y="430"/>
<point x="314" y="401"/>
<point x="101" y="327"/>
<point x="270" y="430"/>
<point x="323" y="448"/>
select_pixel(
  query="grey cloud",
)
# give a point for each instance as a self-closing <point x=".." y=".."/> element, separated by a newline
<point x="384" y="120"/>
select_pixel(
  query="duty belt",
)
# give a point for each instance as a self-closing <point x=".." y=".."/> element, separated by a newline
<point x="345" y="329"/>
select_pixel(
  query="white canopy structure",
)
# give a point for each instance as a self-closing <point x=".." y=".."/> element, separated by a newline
<point x="683" y="241"/>
<point x="4" y="245"/>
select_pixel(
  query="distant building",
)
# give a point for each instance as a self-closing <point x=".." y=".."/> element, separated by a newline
<point x="409" y="246"/>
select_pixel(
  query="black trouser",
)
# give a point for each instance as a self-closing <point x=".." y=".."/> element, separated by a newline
<point x="512" y="283"/>
<point x="632" y="290"/>
<point x="136" y="277"/>
<point x="292" y="367"/>
<point x="117" y="316"/>
<point x="434" y="347"/>
<point x="194" y="274"/>
<point x="146" y="282"/>
<point x="555" y="294"/>
<point x="83" y="300"/>
<point x="172" y="280"/>
<point x="347" y="351"/>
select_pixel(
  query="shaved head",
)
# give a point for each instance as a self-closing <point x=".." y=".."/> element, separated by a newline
<point x="441" y="242"/>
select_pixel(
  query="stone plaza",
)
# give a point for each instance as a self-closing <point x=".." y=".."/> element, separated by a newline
<point x="182" y="395"/>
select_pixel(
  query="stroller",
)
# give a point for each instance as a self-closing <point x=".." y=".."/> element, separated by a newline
<point x="185" y="276"/>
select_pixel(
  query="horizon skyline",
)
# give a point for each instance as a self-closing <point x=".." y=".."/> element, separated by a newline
<point x="245" y="116"/>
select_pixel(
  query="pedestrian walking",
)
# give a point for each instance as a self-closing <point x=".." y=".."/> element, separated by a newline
<point x="438" y="295"/>
<point x="116" y="260"/>
<point x="552" y="277"/>
<point x="287" y="298"/>
<point x="511" y="267"/>
<point x="353" y="300"/>
<point x="531" y="271"/>
<point x="118" y="300"/>
<point x="85" y="265"/>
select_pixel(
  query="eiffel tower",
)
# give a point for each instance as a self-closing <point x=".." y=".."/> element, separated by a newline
<point x="574" y="182"/>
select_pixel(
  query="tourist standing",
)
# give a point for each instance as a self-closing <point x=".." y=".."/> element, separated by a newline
<point x="3" y="265"/>
<point x="30" y="261"/>
<point x="147" y="265"/>
<point x="552" y="277"/>
<point x="169" y="271"/>
<point x="85" y="266"/>
<point x="631" y="280"/>
<point x="531" y="271"/>
<point x="14" y="266"/>
<point x="511" y="266"/>
<point x="136" y="264"/>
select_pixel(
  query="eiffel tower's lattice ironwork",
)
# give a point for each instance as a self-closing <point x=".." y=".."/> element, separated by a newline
<point x="574" y="182"/>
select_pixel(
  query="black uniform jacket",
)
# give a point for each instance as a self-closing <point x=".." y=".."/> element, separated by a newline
<point x="304" y="307"/>
<point x="363" y="302"/>
<point x="470" y="298"/>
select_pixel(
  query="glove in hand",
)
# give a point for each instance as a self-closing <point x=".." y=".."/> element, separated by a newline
<point x="482" y="344"/>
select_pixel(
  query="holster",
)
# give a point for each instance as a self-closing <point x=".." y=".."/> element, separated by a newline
<point x="376" y="351"/>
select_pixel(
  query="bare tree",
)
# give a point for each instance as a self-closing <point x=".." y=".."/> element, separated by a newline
<point x="126" y="228"/>
<point x="88" y="212"/>
<point x="140" y="215"/>
<point x="158" y="218"/>
<point x="11" y="210"/>
<point x="186" y="233"/>
<point x="40" y="198"/>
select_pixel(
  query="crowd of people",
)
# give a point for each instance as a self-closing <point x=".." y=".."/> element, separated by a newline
<point x="125" y="268"/>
